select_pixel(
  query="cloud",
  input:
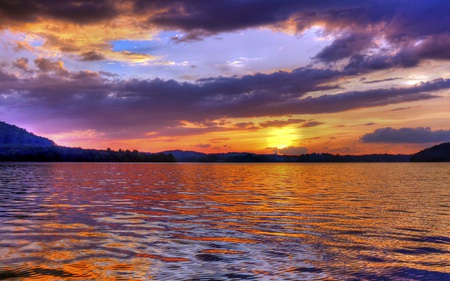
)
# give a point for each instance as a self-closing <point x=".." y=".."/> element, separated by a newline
<point x="202" y="145"/>
<point x="311" y="124"/>
<point x="381" y="80"/>
<point x="345" y="46"/>
<point x="91" y="100"/>
<point x="6" y="77"/>
<point x="22" y="46"/>
<point x="21" y="63"/>
<point x="374" y="35"/>
<point x="80" y="12"/>
<point x="246" y="125"/>
<point x="195" y="35"/>
<point x="280" y="123"/>
<point x="401" y="108"/>
<point x="217" y="16"/>
<point x="219" y="140"/>
<point x="407" y="135"/>
<point x="92" y="56"/>
<point x="46" y="65"/>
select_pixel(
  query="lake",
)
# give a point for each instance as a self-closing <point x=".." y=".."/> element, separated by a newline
<point x="332" y="221"/>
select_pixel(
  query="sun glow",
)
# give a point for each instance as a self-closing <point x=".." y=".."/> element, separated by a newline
<point x="282" y="137"/>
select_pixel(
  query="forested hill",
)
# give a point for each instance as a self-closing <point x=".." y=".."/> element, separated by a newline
<point x="17" y="144"/>
<point x="437" y="153"/>
<point x="12" y="135"/>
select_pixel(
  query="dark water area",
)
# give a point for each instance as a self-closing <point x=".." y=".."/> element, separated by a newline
<point x="98" y="221"/>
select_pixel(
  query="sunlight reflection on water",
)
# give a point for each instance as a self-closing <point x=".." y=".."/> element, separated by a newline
<point x="225" y="221"/>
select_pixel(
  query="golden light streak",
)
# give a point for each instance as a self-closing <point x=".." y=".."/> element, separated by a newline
<point x="282" y="137"/>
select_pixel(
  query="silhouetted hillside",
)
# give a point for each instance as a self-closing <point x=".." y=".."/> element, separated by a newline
<point x="186" y="156"/>
<point x="437" y="153"/>
<point x="13" y="135"/>
<point x="17" y="144"/>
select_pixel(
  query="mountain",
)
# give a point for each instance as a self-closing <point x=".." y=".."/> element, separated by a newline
<point x="243" y="157"/>
<point x="437" y="153"/>
<point x="17" y="144"/>
<point x="186" y="156"/>
<point x="11" y="135"/>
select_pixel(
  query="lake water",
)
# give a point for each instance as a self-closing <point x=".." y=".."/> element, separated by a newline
<point x="64" y="221"/>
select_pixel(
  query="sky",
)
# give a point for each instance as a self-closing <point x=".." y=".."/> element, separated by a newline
<point x="262" y="76"/>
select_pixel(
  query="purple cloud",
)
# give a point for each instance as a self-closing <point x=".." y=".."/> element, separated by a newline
<point x="311" y="124"/>
<point x="407" y="135"/>
<point x="91" y="56"/>
<point x="21" y="63"/>
<point x="81" y="12"/>
<point x="280" y="123"/>
<point x="344" y="47"/>
<point x="381" y="80"/>
<point x="415" y="32"/>
<point x="134" y="107"/>
<point x="7" y="77"/>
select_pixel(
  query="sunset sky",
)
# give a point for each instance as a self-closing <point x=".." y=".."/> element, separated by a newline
<point x="263" y="76"/>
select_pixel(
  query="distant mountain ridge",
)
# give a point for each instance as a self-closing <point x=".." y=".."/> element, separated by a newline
<point x="16" y="144"/>
<point x="245" y="157"/>
<point x="13" y="135"/>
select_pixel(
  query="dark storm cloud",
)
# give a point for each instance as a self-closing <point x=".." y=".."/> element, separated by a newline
<point x="80" y="12"/>
<point x="407" y="135"/>
<point x="217" y="16"/>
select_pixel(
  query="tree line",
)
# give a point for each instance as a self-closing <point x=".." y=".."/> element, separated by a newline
<point x="70" y="154"/>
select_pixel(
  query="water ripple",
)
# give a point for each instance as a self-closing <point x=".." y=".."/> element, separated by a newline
<point x="224" y="221"/>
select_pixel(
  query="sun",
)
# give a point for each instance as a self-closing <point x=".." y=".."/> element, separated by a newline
<point x="282" y="137"/>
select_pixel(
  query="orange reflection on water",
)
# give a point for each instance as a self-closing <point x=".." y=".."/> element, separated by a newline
<point x="148" y="221"/>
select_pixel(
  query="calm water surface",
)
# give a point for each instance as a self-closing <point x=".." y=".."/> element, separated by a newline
<point x="225" y="221"/>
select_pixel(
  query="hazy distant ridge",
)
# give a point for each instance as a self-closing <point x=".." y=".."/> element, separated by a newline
<point x="238" y="157"/>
